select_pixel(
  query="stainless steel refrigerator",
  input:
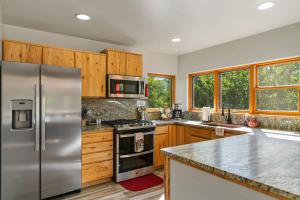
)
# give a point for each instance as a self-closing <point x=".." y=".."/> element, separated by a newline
<point x="40" y="131"/>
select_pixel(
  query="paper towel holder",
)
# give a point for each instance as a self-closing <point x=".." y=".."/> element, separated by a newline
<point x="206" y="115"/>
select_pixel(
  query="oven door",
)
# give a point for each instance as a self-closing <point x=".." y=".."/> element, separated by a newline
<point x="135" y="161"/>
<point x="125" y="86"/>
<point x="126" y="143"/>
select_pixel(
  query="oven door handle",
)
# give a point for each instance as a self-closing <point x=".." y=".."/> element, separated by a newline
<point x="136" y="154"/>
<point x="132" y="135"/>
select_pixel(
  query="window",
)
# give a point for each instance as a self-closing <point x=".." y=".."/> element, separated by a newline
<point x="264" y="88"/>
<point x="161" y="90"/>
<point x="278" y="87"/>
<point x="203" y="90"/>
<point x="235" y="89"/>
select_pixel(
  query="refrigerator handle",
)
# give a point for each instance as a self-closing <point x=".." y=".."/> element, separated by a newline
<point x="43" y="113"/>
<point x="37" y="117"/>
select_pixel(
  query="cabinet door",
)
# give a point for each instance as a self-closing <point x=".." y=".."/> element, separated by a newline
<point x="97" y="75"/>
<point x="134" y="64"/>
<point x="116" y="62"/>
<point x="160" y="141"/>
<point x="197" y="139"/>
<point x="93" y="73"/>
<point x="35" y="54"/>
<point x="81" y="62"/>
<point x="172" y="135"/>
<point x="97" y="171"/>
<point x="58" y="57"/>
<point x="120" y="62"/>
<point x="180" y="135"/>
<point x="22" y="52"/>
<point x="112" y="68"/>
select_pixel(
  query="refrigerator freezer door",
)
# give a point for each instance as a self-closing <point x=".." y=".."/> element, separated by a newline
<point x="61" y="146"/>
<point x="20" y="172"/>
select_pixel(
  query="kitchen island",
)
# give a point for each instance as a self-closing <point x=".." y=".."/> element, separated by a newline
<point x="261" y="164"/>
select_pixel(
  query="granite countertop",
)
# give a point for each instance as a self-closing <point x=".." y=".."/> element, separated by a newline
<point x="97" y="128"/>
<point x="266" y="159"/>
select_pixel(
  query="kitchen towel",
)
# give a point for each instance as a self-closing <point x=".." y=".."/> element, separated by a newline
<point x="219" y="131"/>
<point x="139" y="142"/>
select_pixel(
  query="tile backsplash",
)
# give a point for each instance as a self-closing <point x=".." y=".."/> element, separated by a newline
<point x="115" y="108"/>
<point x="112" y="108"/>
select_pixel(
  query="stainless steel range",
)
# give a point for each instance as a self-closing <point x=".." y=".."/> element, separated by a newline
<point x="127" y="162"/>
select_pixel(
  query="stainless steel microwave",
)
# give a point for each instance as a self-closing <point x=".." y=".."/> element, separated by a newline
<point x="127" y="87"/>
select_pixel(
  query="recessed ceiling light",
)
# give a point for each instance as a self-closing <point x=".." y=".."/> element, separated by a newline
<point x="265" y="5"/>
<point x="176" y="40"/>
<point x="83" y="17"/>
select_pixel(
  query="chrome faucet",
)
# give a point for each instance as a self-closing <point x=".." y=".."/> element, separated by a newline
<point x="228" y="116"/>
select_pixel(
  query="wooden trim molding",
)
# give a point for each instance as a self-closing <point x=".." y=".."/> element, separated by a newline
<point x="167" y="178"/>
<point x="253" y="87"/>
<point x="173" y="92"/>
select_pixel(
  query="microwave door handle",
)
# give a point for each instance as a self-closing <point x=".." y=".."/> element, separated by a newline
<point x="37" y="117"/>
<point x="140" y="87"/>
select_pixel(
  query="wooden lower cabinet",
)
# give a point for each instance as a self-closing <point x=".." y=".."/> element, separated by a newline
<point x="97" y="157"/>
<point x="95" y="172"/>
<point x="160" y="141"/>
<point x="172" y="135"/>
<point x="180" y="134"/>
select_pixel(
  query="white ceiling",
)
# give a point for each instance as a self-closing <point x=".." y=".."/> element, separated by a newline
<point x="151" y="24"/>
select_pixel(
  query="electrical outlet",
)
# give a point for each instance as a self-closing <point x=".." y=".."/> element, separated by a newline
<point x="140" y="103"/>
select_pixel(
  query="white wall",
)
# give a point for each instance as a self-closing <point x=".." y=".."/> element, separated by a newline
<point x="153" y="62"/>
<point x="275" y="44"/>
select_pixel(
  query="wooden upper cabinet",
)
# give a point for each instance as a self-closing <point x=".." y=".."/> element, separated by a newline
<point x="116" y="62"/>
<point x="93" y="73"/>
<point x="58" y="57"/>
<point x="22" y="52"/>
<point x="124" y="63"/>
<point x="134" y="65"/>
<point x="81" y="62"/>
<point x="97" y="75"/>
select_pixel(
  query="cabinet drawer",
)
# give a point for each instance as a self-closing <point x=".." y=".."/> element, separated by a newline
<point x="97" y="171"/>
<point x="161" y="130"/>
<point x="197" y="132"/>
<point x="92" y="137"/>
<point x="197" y="139"/>
<point x="97" y="147"/>
<point x="97" y="157"/>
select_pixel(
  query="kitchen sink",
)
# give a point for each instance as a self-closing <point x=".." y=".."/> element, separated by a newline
<point x="224" y="125"/>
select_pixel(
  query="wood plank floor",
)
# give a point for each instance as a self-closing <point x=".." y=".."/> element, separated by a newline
<point x="114" y="191"/>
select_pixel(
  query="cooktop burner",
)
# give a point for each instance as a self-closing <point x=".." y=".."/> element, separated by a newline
<point x="123" y="124"/>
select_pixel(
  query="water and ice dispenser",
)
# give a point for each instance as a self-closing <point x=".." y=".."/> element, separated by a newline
<point x="22" y="113"/>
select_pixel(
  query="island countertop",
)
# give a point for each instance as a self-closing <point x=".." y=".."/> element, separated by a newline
<point x="268" y="160"/>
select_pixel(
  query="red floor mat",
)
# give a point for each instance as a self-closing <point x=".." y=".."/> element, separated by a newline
<point x="142" y="183"/>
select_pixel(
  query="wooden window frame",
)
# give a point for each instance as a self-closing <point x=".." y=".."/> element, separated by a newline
<point x="173" y="88"/>
<point x="257" y="87"/>
<point x="253" y="87"/>
<point x="190" y="91"/>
